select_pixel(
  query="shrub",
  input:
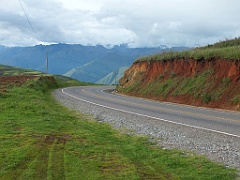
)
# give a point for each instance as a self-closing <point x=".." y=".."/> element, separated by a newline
<point x="206" y="98"/>
<point x="226" y="81"/>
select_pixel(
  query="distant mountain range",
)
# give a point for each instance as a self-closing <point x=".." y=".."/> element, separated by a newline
<point x="85" y="63"/>
<point x="113" y="77"/>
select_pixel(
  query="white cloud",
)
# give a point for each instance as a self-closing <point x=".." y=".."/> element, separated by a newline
<point x="90" y="5"/>
<point x="146" y="23"/>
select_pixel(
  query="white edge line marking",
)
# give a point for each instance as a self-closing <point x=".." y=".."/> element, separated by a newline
<point x="152" y="117"/>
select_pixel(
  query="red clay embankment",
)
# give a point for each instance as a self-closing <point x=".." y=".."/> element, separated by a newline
<point x="211" y="83"/>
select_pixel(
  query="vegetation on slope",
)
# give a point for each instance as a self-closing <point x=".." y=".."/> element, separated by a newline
<point x="40" y="139"/>
<point x="12" y="71"/>
<point x="202" y="89"/>
<point x="228" y="50"/>
<point x="206" y="76"/>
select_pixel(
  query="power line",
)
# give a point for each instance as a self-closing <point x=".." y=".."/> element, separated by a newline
<point x="28" y="19"/>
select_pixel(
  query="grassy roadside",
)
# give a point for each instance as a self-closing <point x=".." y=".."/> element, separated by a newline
<point x="40" y="139"/>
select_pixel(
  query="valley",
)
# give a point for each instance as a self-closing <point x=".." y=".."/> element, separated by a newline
<point x="84" y="63"/>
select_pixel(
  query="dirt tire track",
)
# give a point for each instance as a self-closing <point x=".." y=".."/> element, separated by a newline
<point x="57" y="161"/>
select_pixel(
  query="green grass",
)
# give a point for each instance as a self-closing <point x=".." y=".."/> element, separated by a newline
<point x="228" y="50"/>
<point x="11" y="71"/>
<point x="64" y="81"/>
<point x="157" y="88"/>
<point x="225" y="43"/>
<point x="228" y="53"/>
<point x="194" y="86"/>
<point x="40" y="139"/>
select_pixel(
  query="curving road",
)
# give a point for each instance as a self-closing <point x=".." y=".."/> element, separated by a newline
<point x="220" y="121"/>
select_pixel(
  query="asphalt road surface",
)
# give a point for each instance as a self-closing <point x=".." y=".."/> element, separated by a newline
<point x="219" y="121"/>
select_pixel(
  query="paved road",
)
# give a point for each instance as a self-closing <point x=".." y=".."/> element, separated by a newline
<point x="223" y="122"/>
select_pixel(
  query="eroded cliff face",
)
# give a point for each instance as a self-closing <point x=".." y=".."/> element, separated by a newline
<point x="212" y="83"/>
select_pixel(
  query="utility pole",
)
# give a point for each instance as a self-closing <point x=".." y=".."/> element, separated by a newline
<point x="47" y="64"/>
<point x="115" y="78"/>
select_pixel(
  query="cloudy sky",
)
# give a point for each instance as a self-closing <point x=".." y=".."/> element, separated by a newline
<point x="141" y="23"/>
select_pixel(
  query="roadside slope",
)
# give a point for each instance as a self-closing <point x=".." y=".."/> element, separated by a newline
<point x="205" y="81"/>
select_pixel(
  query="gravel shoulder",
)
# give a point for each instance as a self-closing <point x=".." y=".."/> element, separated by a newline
<point x="217" y="147"/>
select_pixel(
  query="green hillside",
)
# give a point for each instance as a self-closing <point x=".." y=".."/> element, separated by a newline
<point x="228" y="50"/>
<point x="24" y="74"/>
<point x="11" y="71"/>
<point x="113" y="77"/>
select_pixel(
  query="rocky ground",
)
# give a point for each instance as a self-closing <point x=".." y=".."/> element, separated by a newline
<point x="217" y="147"/>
